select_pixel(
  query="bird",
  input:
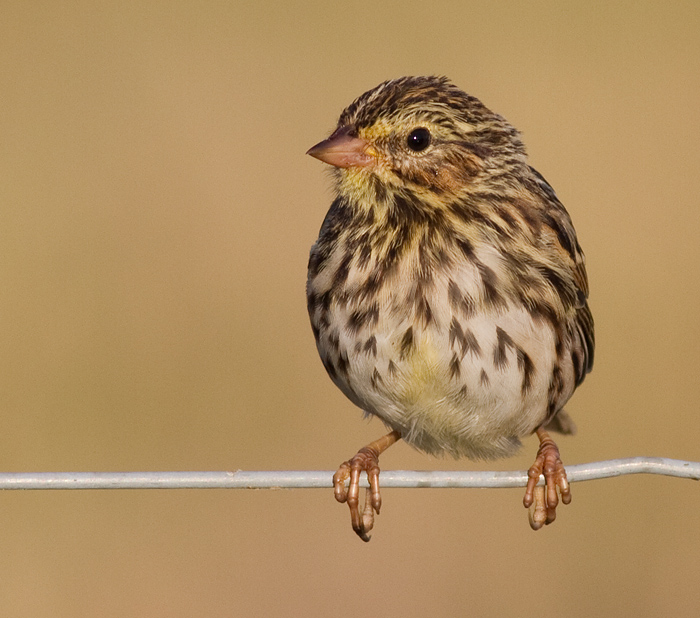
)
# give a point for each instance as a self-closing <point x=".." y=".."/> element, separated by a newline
<point x="447" y="290"/>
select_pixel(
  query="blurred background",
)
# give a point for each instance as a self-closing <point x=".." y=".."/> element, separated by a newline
<point x="156" y="212"/>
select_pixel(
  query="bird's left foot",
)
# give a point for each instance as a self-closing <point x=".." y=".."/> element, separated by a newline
<point x="543" y="500"/>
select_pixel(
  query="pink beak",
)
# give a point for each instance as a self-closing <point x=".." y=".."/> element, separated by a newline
<point x="342" y="150"/>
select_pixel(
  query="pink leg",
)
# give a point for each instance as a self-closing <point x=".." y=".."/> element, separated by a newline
<point x="544" y="500"/>
<point x="366" y="460"/>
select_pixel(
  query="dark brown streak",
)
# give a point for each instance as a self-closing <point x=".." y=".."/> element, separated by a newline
<point x="311" y="300"/>
<point x="481" y="151"/>
<point x="508" y="218"/>
<point x="562" y="234"/>
<point x="374" y="282"/>
<point x="360" y="318"/>
<point x="406" y="344"/>
<point x="392" y="369"/>
<point x="556" y="385"/>
<point x="371" y="346"/>
<point x="565" y="290"/>
<point x="422" y="309"/>
<point x="363" y="251"/>
<point x="341" y="275"/>
<point x="465" y="338"/>
<point x="471" y="344"/>
<point x="492" y="297"/>
<point x="330" y="369"/>
<point x="454" y="366"/>
<point x="503" y="341"/>
<point x="343" y="363"/>
<point x="456" y="333"/>
<point x="466" y="248"/>
<point x="525" y="365"/>
<point x="460" y="300"/>
<point x="407" y="211"/>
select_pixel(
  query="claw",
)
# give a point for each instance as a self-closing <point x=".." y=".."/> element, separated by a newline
<point x="366" y="460"/>
<point x="544" y="500"/>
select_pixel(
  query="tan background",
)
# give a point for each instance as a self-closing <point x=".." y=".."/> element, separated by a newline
<point x="156" y="211"/>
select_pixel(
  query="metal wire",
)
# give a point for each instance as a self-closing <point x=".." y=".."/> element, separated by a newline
<point x="311" y="479"/>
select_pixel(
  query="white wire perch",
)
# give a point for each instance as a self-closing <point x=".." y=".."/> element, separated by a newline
<point x="322" y="479"/>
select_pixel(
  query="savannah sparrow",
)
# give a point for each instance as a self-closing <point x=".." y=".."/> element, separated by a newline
<point x="447" y="289"/>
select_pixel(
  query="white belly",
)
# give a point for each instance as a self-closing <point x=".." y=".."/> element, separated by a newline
<point x="443" y="396"/>
<point x="468" y="383"/>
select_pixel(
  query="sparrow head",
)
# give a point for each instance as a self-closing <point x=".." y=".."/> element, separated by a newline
<point x="420" y="133"/>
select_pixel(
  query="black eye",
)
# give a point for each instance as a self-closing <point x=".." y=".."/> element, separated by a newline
<point x="418" y="139"/>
